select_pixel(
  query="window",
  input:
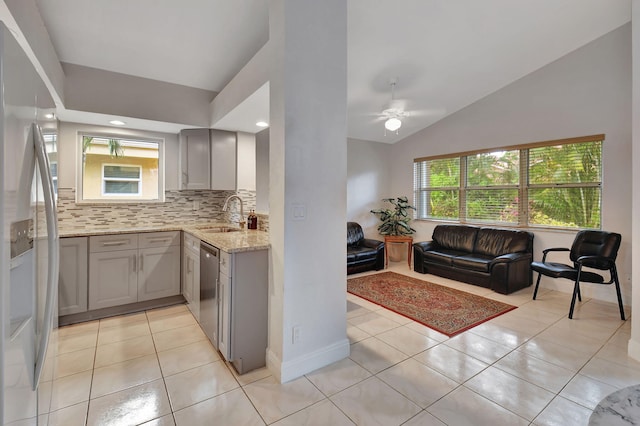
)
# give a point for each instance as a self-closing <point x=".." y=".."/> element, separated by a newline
<point x="121" y="180"/>
<point x="550" y="184"/>
<point x="119" y="169"/>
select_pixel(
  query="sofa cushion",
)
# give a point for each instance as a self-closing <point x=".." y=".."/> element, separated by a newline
<point x="474" y="262"/>
<point x="496" y="242"/>
<point x="455" y="237"/>
<point x="355" y="254"/>
<point x="441" y="256"/>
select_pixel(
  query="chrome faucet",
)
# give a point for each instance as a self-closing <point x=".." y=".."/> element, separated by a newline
<point x="241" y="222"/>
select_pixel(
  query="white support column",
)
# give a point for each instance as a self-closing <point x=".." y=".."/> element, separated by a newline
<point x="308" y="181"/>
<point x="634" y="343"/>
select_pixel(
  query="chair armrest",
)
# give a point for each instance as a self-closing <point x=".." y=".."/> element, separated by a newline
<point x="546" y="251"/>
<point x="555" y="249"/>
<point x="598" y="260"/>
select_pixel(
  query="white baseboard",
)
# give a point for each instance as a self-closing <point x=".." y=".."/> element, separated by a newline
<point x="290" y="370"/>
<point x="633" y="349"/>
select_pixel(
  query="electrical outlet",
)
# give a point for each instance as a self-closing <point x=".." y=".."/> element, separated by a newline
<point x="295" y="334"/>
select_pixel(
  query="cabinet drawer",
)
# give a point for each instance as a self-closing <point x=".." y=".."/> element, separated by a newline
<point x="191" y="243"/>
<point x="159" y="239"/>
<point x="225" y="263"/>
<point x="103" y="243"/>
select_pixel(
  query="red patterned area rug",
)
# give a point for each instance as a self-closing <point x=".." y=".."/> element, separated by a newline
<point x="441" y="308"/>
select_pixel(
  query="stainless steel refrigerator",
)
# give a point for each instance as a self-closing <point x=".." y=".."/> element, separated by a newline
<point x="29" y="249"/>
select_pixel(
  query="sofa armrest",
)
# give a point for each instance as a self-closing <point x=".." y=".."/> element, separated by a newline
<point x="511" y="272"/>
<point x="419" y="249"/>
<point x="424" y="246"/>
<point x="368" y="242"/>
<point x="511" y="257"/>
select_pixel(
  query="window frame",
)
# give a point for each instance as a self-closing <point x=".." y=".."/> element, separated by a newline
<point x="121" y="194"/>
<point x="523" y="186"/>
<point x="123" y="199"/>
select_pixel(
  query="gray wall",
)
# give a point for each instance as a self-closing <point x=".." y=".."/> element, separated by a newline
<point x="130" y="96"/>
<point x="262" y="171"/>
<point x="586" y="92"/>
<point x="368" y="182"/>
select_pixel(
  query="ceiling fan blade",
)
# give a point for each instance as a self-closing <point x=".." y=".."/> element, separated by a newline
<point x="429" y="112"/>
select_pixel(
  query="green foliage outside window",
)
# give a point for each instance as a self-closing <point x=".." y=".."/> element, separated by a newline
<point x="560" y="186"/>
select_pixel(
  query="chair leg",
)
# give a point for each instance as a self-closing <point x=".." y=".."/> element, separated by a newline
<point x="614" y="272"/>
<point x="576" y="291"/>
<point x="535" y="290"/>
<point x="579" y="294"/>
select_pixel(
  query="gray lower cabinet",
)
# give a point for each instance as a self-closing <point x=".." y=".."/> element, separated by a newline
<point x="243" y="308"/>
<point x="129" y="268"/>
<point x="191" y="273"/>
<point x="159" y="272"/>
<point x="73" y="278"/>
<point x="113" y="278"/>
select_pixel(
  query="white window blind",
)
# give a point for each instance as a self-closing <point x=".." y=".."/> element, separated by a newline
<point x="550" y="184"/>
<point x="121" y="180"/>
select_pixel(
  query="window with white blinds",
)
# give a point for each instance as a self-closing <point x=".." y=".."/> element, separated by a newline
<point x="547" y="184"/>
<point x="121" y="180"/>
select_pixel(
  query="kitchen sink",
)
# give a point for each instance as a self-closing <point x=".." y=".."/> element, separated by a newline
<point x="217" y="229"/>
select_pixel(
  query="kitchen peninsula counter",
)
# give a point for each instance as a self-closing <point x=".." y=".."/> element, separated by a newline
<point x="231" y="242"/>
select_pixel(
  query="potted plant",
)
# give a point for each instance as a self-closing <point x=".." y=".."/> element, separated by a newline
<point x="395" y="221"/>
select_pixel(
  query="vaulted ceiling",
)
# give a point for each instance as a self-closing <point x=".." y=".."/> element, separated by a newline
<point x="443" y="54"/>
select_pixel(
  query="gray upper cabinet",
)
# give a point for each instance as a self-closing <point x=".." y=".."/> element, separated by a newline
<point x="195" y="157"/>
<point x="223" y="160"/>
<point x="73" y="282"/>
<point x="208" y="159"/>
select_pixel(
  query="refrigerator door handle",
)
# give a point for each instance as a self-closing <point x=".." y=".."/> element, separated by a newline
<point x="52" y="244"/>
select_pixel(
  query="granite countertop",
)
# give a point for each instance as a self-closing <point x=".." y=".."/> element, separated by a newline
<point x="231" y="242"/>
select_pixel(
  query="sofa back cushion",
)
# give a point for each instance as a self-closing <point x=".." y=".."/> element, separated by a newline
<point x="496" y="242"/>
<point x="355" y="235"/>
<point x="455" y="237"/>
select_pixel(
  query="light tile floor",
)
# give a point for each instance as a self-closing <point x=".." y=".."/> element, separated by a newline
<point x="531" y="366"/>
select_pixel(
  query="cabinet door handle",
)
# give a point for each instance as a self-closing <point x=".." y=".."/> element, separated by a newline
<point x="141" y="262"/>
<point x="160" y="240"/>
<point x="135" y="263"/>
<point x="114" y="243"/>
<point x="189" y="265"/>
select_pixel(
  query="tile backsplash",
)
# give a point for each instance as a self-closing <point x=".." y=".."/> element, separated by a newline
<point x="181" y="207"/>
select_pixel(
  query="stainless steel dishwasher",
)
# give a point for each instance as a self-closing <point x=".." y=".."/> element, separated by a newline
<point x="209" y="272"/>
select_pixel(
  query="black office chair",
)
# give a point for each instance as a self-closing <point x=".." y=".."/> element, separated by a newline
<point x="593" y="249"/>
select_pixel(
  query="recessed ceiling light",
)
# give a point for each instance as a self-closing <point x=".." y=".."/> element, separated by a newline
<point x="117" y="123"/>
<point x="262" y="124"/>
<point x="50" y="116"/>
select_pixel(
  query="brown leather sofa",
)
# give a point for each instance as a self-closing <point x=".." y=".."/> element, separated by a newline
<point x="363" y="254"/>
<point x="494" y="258"/>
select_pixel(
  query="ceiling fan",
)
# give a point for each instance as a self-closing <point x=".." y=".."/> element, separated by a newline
<point x="395" y="111"/>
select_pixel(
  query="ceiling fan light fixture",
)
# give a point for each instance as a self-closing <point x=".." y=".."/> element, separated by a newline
<point x="392" y="124"/>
